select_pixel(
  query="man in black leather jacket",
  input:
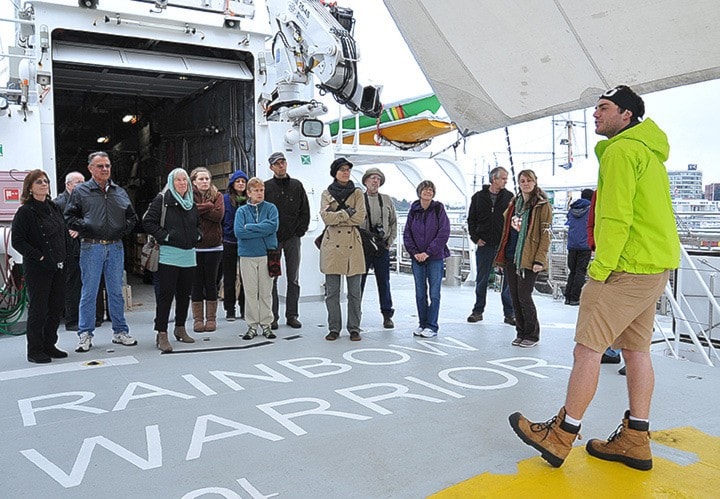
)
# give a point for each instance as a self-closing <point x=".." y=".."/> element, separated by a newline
<point x="102" y="214"/>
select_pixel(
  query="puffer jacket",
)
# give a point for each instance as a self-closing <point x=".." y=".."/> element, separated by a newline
<point x="99" y="214"/>
<point x="537" y="240"/>
<point x="341" y="250"/>
<point x="181" y="228"/>
<point x="635" y="229"/>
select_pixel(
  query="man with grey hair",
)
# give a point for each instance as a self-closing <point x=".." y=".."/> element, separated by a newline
<point x="485" y="225"/>
<point x="72" y="265"/>
<point x="102" y="214"/>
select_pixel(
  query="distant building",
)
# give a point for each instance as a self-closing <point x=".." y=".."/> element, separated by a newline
<point x="686" y="184"/>
<point x="712" y="192"/>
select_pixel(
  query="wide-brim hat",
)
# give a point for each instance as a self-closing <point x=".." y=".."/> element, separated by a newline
<point x="374" y="171"/>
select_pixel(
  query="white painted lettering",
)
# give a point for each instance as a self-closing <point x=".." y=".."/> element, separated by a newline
<point x="510" y="380"/>
<point x="525" y="369"/>
<point x="320" y="366"/>
<point x="228" y="493"/>
<point x="153" y="391"/>
<point x="75" y="478"/>
<point x="431" y="347"/>
<point x="272" y="375"/>
<point x="399" y="391"/>
<point x="200" y="436"/>
<point x="321" y="409"/>
<point x="201" y="387"/>
<point x="350" y="356"/>
<point x="27" y="411"/>
<point x="435" y="387"/>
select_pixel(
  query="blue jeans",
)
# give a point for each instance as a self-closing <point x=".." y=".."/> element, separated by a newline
<point x="428" y="276"/>
<point x="97" y="260"/>
<point x="484" y="258"/>
<point x="381" y="264"/>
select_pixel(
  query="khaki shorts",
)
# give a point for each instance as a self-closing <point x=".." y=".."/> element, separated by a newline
<point x="620" y="311"/>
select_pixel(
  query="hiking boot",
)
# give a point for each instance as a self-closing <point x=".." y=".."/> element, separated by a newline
<point x="84" y="343"/>
<point x="474" y="317"/>
<point x="268" y="332"/>
<point x="124" y="339"/>
<point x="627" y="445"/>
<point x="250" y="333"/>
<point x="553" y="438"/>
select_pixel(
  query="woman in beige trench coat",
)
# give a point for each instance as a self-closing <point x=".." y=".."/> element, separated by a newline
<point x="341" y="250"/>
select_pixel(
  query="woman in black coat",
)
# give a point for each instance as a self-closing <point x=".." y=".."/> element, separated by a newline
<point x="39" y="235"/>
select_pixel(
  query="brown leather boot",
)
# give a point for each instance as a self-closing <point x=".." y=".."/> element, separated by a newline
<point x="211" y="315"/>
<point x="198" y="316"/>
<point x="553" y="438"/>
<point x="181" y="335"/>
<point x="162" y="343"/>
<point x="627" y="445"/>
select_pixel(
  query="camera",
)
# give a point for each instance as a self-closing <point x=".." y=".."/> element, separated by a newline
<point x="378" y="229"/>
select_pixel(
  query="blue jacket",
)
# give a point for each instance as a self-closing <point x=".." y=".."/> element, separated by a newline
<point x="577" y="220"/>
<point x="427" y="231"/>
<point x="256" y="228"/>
<point x="229" y="216"/>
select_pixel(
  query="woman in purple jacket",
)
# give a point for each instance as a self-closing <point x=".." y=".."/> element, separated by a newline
<point x="426" y="234"/>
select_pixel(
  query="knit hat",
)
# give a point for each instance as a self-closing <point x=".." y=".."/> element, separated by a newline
<point x="274" y="157"/>
<point x="374" y="171"/>
<point x="625" y="98"/>
<point x="335" y="165"/>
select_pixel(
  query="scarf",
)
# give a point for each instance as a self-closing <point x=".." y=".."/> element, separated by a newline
<point x="522" y="210"/>
<point x="341" y="192"/>
<point x="185" y="201"/>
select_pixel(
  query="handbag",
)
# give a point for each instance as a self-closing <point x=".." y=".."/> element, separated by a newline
<point x="372" y="243"/>
<point x="150" y="255"/>
<point x="318" y="240"/>
<point x="273" y="261"/>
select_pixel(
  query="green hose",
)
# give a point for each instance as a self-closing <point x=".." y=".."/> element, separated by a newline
<point x="17" y="300"/>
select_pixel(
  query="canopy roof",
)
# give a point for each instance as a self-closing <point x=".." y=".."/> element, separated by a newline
<point x="493" y="63"/>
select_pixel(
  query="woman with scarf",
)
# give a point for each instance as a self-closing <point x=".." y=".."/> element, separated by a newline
<point x="211" y="209"/>
<point x="426" y="234"/>
<point x="39" y="235"/>
<point x="341" y="249"/>
<point x="235" y="196"/>
<point x="523" y="252"/>
<point x="172" y="219"/>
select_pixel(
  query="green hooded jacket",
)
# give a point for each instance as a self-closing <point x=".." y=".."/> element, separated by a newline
<point x="635" y="228"/>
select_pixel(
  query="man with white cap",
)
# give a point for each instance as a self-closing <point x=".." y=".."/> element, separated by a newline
<point x="382" y="221"/>
<point x="290" y="198"/>
<point x="637" y="245"/>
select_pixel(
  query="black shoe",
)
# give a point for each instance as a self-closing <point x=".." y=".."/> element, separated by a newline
<point x="71" y="326"/>
<point x="230" y="316"/>
<point x="98" y="322"/>
<point x="610" y="359"/>
<point x="332" y="336"/>
<point x="509" y="320"/>
<point x="475" y="317"/>
<point x="622" y="371"/>
<point x="355" y="336"/>
<point x="567" y="301"/>
<point x="388" y="323"/>
<point x="573" y="303"/>
<point x="294" y="323"/>
<point x="39" y="358"/>
<point x="274" y="325"/>
<point x="55" y="353"/>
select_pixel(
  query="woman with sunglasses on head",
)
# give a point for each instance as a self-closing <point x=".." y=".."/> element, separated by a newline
<point x="523" y="252"/>
<point x="235" y="196"/>
<point x="39" y="235"/>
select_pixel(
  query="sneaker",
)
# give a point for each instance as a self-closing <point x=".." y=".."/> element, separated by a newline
<point x="417" y="331"/>
<point x="268" y="333"/>
<point x="609" y="359"/>
<point x="274" y="325"/>
<point x="124" y="339"/>
<point x="294" y="323"/>
<point x="250" y="333"/>
<point x="85" y="342"/>
<point x="509" y="320"/>
<point x="527" y="343"/>
<point x="516" y="342"/>
<point x="553" y="438"/>
<point x="428" y="333"/>
<point x="626" y="445"/>
<point x="230" y="316"/>
<point x="474" y="317"/>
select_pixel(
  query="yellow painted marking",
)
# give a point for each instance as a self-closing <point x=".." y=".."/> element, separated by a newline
<point x="586" y="477"/>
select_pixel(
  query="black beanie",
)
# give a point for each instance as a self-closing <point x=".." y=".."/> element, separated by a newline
<point x="625" y="98"/>
<point x="335" y="165"/>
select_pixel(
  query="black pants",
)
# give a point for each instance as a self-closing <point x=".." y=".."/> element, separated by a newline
<point x="175" y="282"/>
<point x="205" y="279"/>
<point x="291" y="252"/>
<point x="521" y="290"/>
<point x="577" y="261"/>
<point x="230" y="277"/>
<point x="73" y="285"/>
<point x="46" y="294"/>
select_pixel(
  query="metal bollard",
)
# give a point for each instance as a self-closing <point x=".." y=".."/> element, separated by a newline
<point x="453" y="276"/>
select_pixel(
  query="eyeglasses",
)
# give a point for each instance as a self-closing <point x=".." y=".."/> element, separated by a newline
<point x="103" y="166"/>
<point x="41" y="181"/>
<point x="344" y="169"/>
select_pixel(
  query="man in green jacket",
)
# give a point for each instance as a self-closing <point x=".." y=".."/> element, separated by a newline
<point x="636" y="246"/>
